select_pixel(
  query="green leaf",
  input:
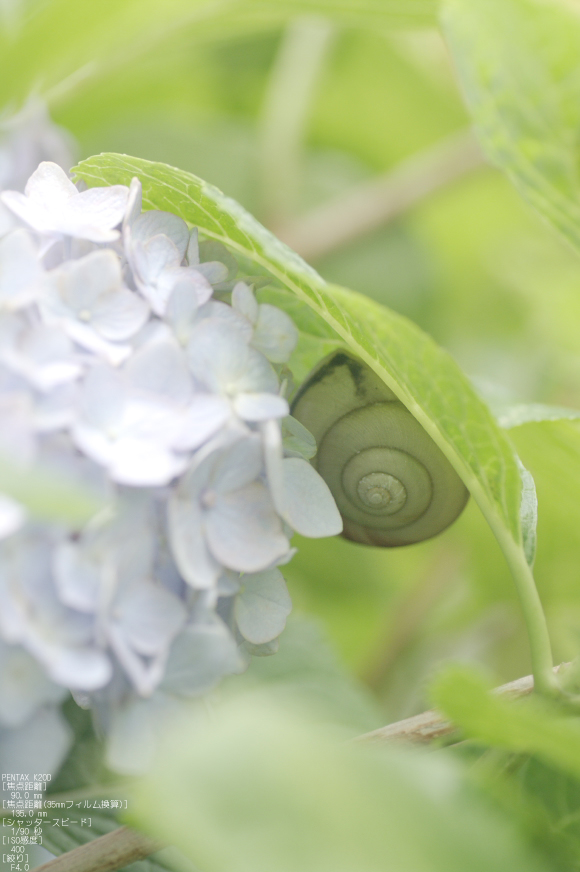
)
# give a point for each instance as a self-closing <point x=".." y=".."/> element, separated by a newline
<point x="257" y="788"/>
<point x="517" y="62"/>
<point x="47" y="495"/>
<point x="424" y="376"/>
<point x="525" y="726"/>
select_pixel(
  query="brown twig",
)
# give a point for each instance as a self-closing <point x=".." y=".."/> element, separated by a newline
<point x="378" y="201"/>
<point x="105" y="854"/>
<point x="430" y="725"/>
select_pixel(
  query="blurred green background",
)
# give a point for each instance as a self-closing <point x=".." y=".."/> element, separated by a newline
<point x="285" y="107"/>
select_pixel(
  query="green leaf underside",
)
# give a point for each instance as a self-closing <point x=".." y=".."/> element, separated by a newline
<point x="528" y="513"/>
<point x="423" y="376"/>
<point x="509" y="416"/>
<point x="517" y="62"/>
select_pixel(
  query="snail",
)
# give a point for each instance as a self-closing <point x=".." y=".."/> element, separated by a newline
<point x="391" y="483"/>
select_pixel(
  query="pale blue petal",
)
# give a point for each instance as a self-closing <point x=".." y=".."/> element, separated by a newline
<point x="154" y="223"/>
<point x="77" y="577"/>
<point x="200" y="656"/>
<point x="24" y="686"/>
<point x="159" y="368"/>
<point x="236" y="466"/>
<point x="260" y="407"/>
<point x="243" y="530"/>
<point x="275" y="334"/>
<point x="309" y="506"/>
<point x="195" y="562"/>
<point x="202" y="419"/>
<point x="119" y="315"/>
<point x="21" y="276"/>
<point x="149" y="617"/>
<point x="244" y="302"/>
<point x="40" y="745"/>
<point x="262" y="606"/>
<point x="214" y="271"/>
<point x="138" y="463"/>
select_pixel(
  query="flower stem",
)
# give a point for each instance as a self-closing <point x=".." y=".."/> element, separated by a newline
<point x="545" y="681"/>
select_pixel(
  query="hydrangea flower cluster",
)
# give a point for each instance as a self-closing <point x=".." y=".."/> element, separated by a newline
<point x="134" y="363"/>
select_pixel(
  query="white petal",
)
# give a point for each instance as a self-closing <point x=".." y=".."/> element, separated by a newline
<point x="86" y="336"/>
<point x="243" y="531"/>
<point x="149" y="617"/>
<point x="214" y="271"/>
<point x="120" y="314"/>
<point x="195" y="562"/>
<point x="52" y="204"/>
<point x="39" y="745"/>
<point x="275" y="334"/>
<point x="94" y="443"/>
<point x="77" y="578"/>
<point x="134" y="204"/>
<point x="143" y="464"/>
<point x="50" y="184"/>
<point x="79" y="668"/>
<point x="200" y="656"/>
<point x="215" y="309"/>
<point x="309" y="506"/>
<point x="244" y="302"/>
<point x="160" y="368"/>
<point x="24" y="686"/>
<point x="133" y="736"/>
<point x="56" y="409"/>
<point x="104" y="398"/>
<point x="35" y="214"/>
<point x="237" y="466"/>
<point x="193" y="248"/>
<point x="297" y="440"/>
<point x="80" y="283"/>
<point x="181" y="311"/>
<point x="159" y="253"/>
<point x="262" y="606"/>
<point x="103" y="208"/>
<point x="21" y="276"/>
<point x="12" y="516"/>
<point x="193" y="282"/>
<point x="272" y="441"/>
<point x="217" y="355"/>
<point x="203" y="417"/>
<point x="221" y="360"/>
<point x="260" y="407"/>
<point x="154" y="223"/>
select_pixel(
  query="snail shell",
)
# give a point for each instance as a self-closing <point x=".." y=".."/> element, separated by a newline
<point x="391" y="483"/>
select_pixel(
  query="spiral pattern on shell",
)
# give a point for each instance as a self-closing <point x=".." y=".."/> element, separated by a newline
<point x="391" y="482"/>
